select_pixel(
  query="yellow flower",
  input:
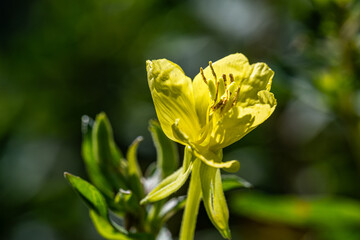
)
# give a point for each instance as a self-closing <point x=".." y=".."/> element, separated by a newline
<point x="223" y="103"/>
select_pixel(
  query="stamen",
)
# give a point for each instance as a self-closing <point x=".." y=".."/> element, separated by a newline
<point x="217" y="91"/>
<point x="225" y="99"/>
<point x="229" y="96"/>
<point x="223" y="104"/>
<point x="218" y="105"/>
<point x="231" y="77"/>
<point x="202" y="74"/>
<point x="224" y="77"/>
<point x="212" y="70"/>
<point x="235" y="97"/>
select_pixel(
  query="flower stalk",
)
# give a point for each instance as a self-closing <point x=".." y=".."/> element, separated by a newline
<point x="188" y="223"/>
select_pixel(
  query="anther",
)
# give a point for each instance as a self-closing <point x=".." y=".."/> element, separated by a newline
<point x="202" y="74"/>
<point x="218" y="105"/>
<point x="224" y="77"/>
<point x="217" y="91"/>
<point x="212" y="70"/>
<point x="236" y="96"/>
<point x="231" y="77"/>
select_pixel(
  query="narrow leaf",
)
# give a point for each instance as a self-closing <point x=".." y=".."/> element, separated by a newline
<point x="92" y="167"/>
<point x="230" y="182"/>
<point x="133" y="166"/>
<point x="92" y="197"/>
<point x="106" y="153"/>
<point x="105" y="228"/>
<point x="325" y="212"/>
<point x="104" y="146"/>
<point x="134" y="171"/>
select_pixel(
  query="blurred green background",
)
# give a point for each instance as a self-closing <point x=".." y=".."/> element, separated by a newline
<point x="62" y="59"/>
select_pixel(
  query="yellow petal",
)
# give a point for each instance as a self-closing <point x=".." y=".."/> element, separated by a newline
<point x="172" y="93"/>
<point x="259" y="78"/>
<point x="236" y="64"/>
<point x="239" y="121"/>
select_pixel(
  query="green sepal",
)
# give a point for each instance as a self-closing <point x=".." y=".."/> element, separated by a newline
<point x="230" y="182"/>
<point x="167" y="153"/>
<point x="173" y="182"/>
<point x="90" y="194"/>
<point x="212" y="160"/>
<point x="214" y="199"/>
<point x="168" y="186"/>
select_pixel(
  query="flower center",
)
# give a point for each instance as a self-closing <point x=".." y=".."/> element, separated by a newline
<point x="224" y="91"/>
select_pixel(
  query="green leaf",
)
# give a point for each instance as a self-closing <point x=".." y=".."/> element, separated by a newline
<point x="301" y="212"/>
<point x="133" y="166"/>
<point x="106" y="153"/>
<point x="167" y="153"/>
<point x="230" y="182"/>
<point x="109" y="231"/>
<point x="134" y="178"/>
<point x="214" y="199"/>
<point x="105" y="228"/>
<point x="92" y="167"/>
<point x="173" y="182"/>
<point x="92" y="197"/>
<point x="105" y="148"/>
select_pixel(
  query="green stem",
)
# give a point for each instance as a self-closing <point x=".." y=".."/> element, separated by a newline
<point x="192" y="204"/>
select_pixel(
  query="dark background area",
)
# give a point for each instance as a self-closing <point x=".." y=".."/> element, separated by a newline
<point x="60" y="60"/>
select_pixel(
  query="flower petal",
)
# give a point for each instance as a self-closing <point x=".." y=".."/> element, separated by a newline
<point x="172" y="93"/>
<point x="236" y="64"/>
<point x="258" y="79"/>
<point x="239" y="121"/>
